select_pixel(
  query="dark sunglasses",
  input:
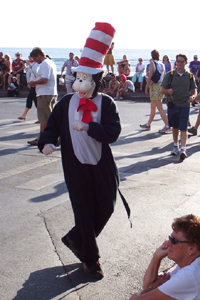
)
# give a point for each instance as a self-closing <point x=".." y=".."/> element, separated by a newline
<point x="175" y="241"/>
<point x="180" y="61"/>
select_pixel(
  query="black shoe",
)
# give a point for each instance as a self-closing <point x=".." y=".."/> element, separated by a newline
<point x="93" y="269"/>
<point x="192" y="130"/>
<point x="33" y="143"/>
<point x="71" y="245"/>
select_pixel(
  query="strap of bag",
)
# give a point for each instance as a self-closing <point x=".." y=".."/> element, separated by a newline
<point x="170" y="78"/>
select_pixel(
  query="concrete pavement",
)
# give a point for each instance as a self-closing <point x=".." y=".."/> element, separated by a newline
<point x="36" y="211"/>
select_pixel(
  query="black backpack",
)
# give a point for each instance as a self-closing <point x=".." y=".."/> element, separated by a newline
<point x="156" y="75"/>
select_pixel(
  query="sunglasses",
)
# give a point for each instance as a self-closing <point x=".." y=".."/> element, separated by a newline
<point x="180" y="61"/>
<point x="175" y="241"/>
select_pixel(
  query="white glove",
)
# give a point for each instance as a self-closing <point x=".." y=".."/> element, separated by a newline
<point x="48" y="149"/>
<point x="80" y="126"/>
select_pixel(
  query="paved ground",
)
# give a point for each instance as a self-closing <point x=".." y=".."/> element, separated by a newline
<point x="36" y="212"/>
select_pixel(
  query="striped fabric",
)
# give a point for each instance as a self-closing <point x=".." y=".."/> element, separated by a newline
<point x="95" y="49"/>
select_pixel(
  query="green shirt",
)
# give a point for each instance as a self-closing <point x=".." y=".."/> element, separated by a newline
<point x="181" y="86"/>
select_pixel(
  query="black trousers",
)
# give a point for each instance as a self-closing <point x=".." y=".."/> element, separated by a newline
<point x="31" y="97"/>
<point x="93" y="196"/>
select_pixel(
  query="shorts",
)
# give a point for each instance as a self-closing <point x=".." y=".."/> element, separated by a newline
<point x="45" y="105"/>
<point x="155" y="91"/>
<point x="109" y="60"/>
<point x="178" y="117"/>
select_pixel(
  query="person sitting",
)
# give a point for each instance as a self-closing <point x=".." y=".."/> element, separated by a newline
<point x="7" y="70"/>
<point x="124" y="66"/>
<point x="122" y="88"/>
<point x="139" y="73"/>
<point x="112" y="86"/>
<point x="2" y="68"/>
<point x="17" y="69"/>
<point x="13" y="88"/>
<point x="183" y="247"/>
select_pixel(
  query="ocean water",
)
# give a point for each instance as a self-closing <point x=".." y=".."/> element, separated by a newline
<point x="59" y="55"/>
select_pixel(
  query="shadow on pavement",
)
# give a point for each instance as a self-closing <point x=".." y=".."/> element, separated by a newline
<point x="51" y="282"/>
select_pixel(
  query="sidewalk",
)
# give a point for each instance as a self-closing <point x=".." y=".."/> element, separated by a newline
<point x="36" y="211"/>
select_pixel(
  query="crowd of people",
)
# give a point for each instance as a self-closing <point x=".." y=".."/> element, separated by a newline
<point x="183" y="245"/>
<point x="170" y="83"/>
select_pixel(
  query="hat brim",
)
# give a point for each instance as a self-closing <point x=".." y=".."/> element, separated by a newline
<point x="87" y="70"/>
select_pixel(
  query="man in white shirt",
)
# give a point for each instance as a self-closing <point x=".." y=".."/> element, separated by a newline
<point x="46" y="88"/>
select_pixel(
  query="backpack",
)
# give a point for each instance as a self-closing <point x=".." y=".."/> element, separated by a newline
<point x="156" y="75"/>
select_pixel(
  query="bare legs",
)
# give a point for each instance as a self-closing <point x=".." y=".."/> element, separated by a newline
<point x="157" y="104"/>
<point x="183" y="136"/>
<point x="112" y="68"/>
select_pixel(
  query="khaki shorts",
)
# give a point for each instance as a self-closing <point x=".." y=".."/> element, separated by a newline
<point x="45" y="104"/>
<point x="155" y="91"/>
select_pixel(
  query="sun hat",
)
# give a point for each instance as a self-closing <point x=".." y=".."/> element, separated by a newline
<point x="96" y="47"/>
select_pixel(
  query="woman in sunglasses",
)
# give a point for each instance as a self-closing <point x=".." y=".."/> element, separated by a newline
<point x="183" y="247"/>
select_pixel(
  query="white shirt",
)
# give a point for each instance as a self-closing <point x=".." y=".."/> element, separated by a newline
<point x="47" y="70"/>
<point x="184" y="283"/>
<point x="141" y="67"/>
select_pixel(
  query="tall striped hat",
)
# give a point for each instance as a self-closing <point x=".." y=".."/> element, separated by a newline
<point x="95" y="49"/>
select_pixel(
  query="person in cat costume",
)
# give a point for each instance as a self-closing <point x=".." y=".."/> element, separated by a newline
<point x="87" y="122"/>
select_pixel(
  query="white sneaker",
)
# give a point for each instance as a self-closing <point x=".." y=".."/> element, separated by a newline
<point x="183" y="154"/>
<point x="165" y="129"/>
<point x="175" y="150"/>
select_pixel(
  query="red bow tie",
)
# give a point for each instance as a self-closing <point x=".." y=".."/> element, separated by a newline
<point x="86" y="105"/>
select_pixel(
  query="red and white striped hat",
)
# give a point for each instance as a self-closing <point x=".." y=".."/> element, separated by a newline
<point x="95" y="49"/>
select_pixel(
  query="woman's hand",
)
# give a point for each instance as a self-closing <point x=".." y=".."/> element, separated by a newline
<point x="162" y="251"/>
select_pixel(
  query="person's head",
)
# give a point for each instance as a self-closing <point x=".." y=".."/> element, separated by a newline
<point x="166" y="58"/>
<point x="38" y="55"/>
<point x="18" y="55"/>
<point x="71" y="55"/>
<point x="184" y="242"/>
<point x="77" y="58"/>
<point x="122" y="77"/>
<point x="87" y="85"/>
<point x="181" y="61"/>
<point x="195" y="58"/>
<point x="14" y="79"/>
<point x="7" y="56"/>
<point x="155" y="54"/>
<point x="140" y="60"/>
<point x="113" y="76"/>
<point x="125" y="57"/>
<point x="1" y="55"/>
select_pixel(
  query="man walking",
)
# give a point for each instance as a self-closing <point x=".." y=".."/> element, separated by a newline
<point x="69" y="78"/>
<point x="179" y="86"/>
<point x="46" y="88"/>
